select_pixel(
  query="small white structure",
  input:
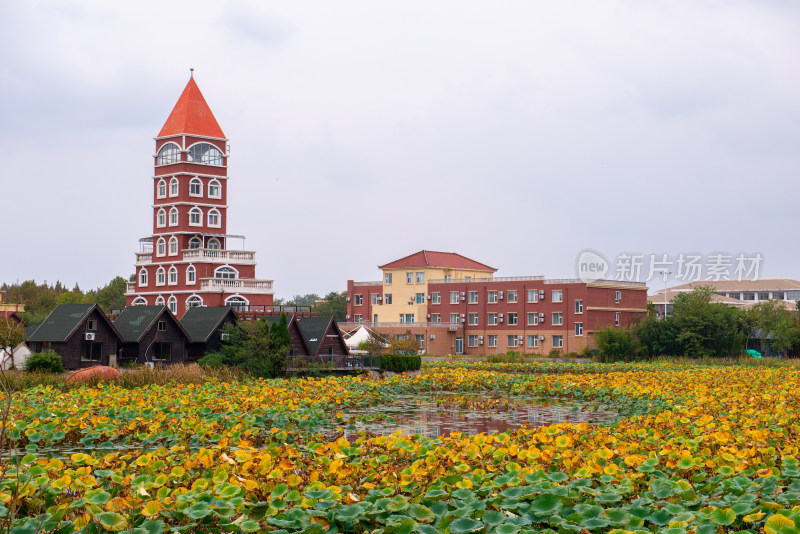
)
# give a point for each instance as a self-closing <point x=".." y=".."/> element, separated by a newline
<point x="358" y="336"/>
<point x="21" y="353"/>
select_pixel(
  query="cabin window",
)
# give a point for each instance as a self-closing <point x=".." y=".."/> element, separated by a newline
<point x="162" y="351"/>
<point x="90" y="325"/>
<point x="90" y="351"/>
<point x="330" y="350"/>
<point x="162" y="326"/>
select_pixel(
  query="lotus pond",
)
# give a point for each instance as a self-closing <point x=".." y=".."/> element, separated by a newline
<point x="684" y="449"/>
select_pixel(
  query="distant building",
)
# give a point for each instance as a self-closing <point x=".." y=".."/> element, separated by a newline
<point x="188" y="261"/>
<point x="454" y="305"/>
<point x="741" y="294"/>
<point x="204" y="327"/>
<point x="151" y="334"/>
<point x="6" y="306"/>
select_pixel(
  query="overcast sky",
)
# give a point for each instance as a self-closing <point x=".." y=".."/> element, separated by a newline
<point x="518" y="133"/>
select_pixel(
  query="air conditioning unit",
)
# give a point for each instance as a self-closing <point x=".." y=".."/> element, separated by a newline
<point x="149" y="364"/>
<point x="89" y="336"/>
<point x="616" y="301"/>
<point x="501" y="315"/>
<point x="480" y="342"/>
<point x="429" y="316"/>
<point x="541" y="316"/>
<point x="380" y="299"/>
<point x="480" y="338"/>
<point x="433" y="336"/>
<point x="501" y="295"/>
<point x="541" y="338"/>
<point x="223" y="336"/>
<point x="462" y="315"/>
<point x="463" y="298"/>
<point x="348" y="299"/>
<point x="462" y="294"/>
<point x="500" y="319"/>
<point x="429" y="297"/>
<point x="541" y="293"/>
<point x="521" y="339"/>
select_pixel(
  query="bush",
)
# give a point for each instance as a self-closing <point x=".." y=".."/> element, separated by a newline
<point x="616" y="344"/>
<point x="555" y="353"/>
<point x="587" y="352"/>
<point x="397" y="363"/>
<point x="48" y="362"/>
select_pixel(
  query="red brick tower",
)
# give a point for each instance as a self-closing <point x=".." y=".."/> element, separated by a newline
<point x="187" y="261"/>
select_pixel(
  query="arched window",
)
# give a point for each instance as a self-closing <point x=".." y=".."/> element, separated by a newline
<point x="191" y="274"/>
<point x="169" y="153"/>
<point x="226" y="272"/>
<point x="161" y="277"/>
<point x="194" y="302"/>
<point x="213" y="244"/>
<point x="173" y="216"/>
<point x="195" y="242"/>
<point x="161" y="190"/>
<point x="160" y="301"/>
<point x="161" y="218"/>
<point x="173" y="275"/>
<point x="237" y="303"/>
<point x="172" y="304"/>
<point x="143" y="277"/>
<point x="173" y="246"/>
<point x="196" y="188"/>
<point x="161" y="247"/>
<point x="214" y="218"/>
<point x="195" y="217"/>
<point x="173" y="187"/>
<point x="139" y="301"/>
<point x="214" y="189"/>
<point x="205" y="153"/>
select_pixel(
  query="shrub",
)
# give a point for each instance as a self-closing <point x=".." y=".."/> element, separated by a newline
<point x="398" y="363"/>
<point x="48" y="362"/>
<point x="587" y="352"/>
<point x="555" y="353"/>
<point x="616" y="344"/>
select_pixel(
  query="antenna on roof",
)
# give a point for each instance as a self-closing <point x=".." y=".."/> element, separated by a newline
<point x="191" y="72"/>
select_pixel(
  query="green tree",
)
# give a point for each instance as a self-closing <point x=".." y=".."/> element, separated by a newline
<point x="782" y="324"/>
<point x="658" y="336"/>
<point x="616" y="344"/>
<point x="12" y="333"/>
<point x="333" y="304"/>
<point x="706" y="328"/>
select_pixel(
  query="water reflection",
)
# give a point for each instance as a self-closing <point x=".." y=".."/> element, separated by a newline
<point x="436" y="414"/>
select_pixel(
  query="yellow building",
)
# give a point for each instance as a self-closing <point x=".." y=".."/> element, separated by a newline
<point x="8" y="307"/>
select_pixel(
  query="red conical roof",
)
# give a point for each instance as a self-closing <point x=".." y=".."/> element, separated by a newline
<point x="192" y="116"/>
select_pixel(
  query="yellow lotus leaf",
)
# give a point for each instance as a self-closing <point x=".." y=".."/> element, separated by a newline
<point x="293" y="480"/>
<point x="777" y="522"/>
<point x="117" y="504"/>
<point x="464" y="483"/>
<point x="610" y="469"/>
<point x="225" y="458"/>
<point x="752" y="518"/>
<point x="334" y="467"/>
<point x="177" y="472"/>
<point x="286" y="465"/>
<point x="81" y="521"/>
<point x="152" y="508"/>
<point x="62" y="482"/>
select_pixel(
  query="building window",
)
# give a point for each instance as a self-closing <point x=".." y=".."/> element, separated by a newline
<point x="409" y="278"/>
<point x="512" y="341"/>
<point x="387" y="278"/>
<point x="578" y="306"/>
<point x="173" y="276"/>
<point x="617" y="296"/>
<point x="436" y="317"/>
<point x="205" y="153"/>
<point x="616" y="319"/>
<point x="139" y="301"/>
<point x="472" y="341"/>
<point x="358" y="317"/>
<point x="420" y="339"/>
<point x="454" y="297"/>
<point x="173" y="246"/>
<point x="214" y="189"/>
<point x="195" y="243"/>
<point x="454" y="318"/>
<point x="512" y="296"/>
<point x="491" y="319"/>
<point x="420" y="278"/>
<point x="473" y="319"/>
<point x="558" y="318"/>
<point x="162" y="351"/>
<point x="160" y="301"/>
<point x="161" y="190"/>
<point x="194" y="302"/>
<point x="226" y="272"/>
<point x="162" y="326"/>
<point x="195" y="217"/>
<point x="173" y="216"/>
<point x="213" y="244"/>
<point x="420" y="298"/>
<point x="172" y="304"/>
<point x="374" y="317"/>
<point x="161" y="218"/>
<point x="90" y="326"/>
<point x="558" y="342"/>
<point x="161" y="247"/>
<point x="473" y="297"/>
<point x="387" y="298"/>
<point x="161" y="276"/>
<point x="533" y="341"/>
<point x="373" y="298"/>
<point x="169" y="153"/>
<point x="578" y="329"/>
<point x="533" y="295"/>
<point x="406" y="317"/>
<point x="436" y="298"/>
<point x="491" y="297"/>
<point x="91" y="351"/>
<point x="492" y="341"/>
<point x="195" y="188"/>
<point x="533" y="319"/>
<point x="191" y="274"/>
<point x="358" y="300"/>
<point x="237" y="303"/>
<point x="558" y="295"/>
<point x="174" y="187"/>
<point x="512" y="318"/>
<point x="214" y="218"/>
<point x="143" y="277"/>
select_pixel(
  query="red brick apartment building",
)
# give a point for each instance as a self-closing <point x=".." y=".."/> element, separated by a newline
<point x="455" y="305"/>
<point x="187" y="261"/>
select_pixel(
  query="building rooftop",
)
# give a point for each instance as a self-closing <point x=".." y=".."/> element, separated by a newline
<point x="764" y="284"/>
<point x="443" y="260"/>
<point x="191" y="115"/>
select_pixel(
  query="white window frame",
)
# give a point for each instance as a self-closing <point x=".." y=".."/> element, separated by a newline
<point x="560" y="316"/>
<point x="238" y="299"/>
<point x="139" y="301"/>
<point x="174" y="216"/>
<point x="560" y="340"/>
<point x="226" y="268"/>
<point x="409" y="278"/>
<point x="419" y="298"/>
<point x="455" y="297"/>
<point x="617" y="297"/>
<point x="197" y="240"/>
<point x="387" y="278"/>
<point x="491" y="319"/>
<point x="456" y="317"/>
<point x="578" y="329"/>
<point x="161" y="277"/>
<point x="535" y="317"/>
<point x="198" y="213"/>
<point x="535" y="340"/>
<point x="616" y="319"/>
<point x="172" y="304"/>
<point x="161" y="218"/>
<point x="436" y="317"/>
<point x="559" y="292"/>
<point x="214" y="183"/>
<point x="191" y="275"/>
<point x="578" y="306"/>
<point x="358" y="300"/>
<point x="193" y="299"/>
<point x="161" y="188"/>
<point x="533" y="293"/>
<point x="512" y="341"/>
<point x="213" y="241"/>
<point x="513" y="318"/>
<point x="358" y="318"/>
<point x="492" y="340"/>
<point x="172" y="249"/>
<point x="491" y="297"/>
<point x="436" y="297"/>
<point x="511" y="296"/>
<point x="143" y="277"/>
<point x="387" y="298"/>
<point x="161" y="247"/>
<point x="472" y="319"/>
<point x="472" y="297"/>
<point x="172" y="276"/>
<point x="212" y="213"/>
<point x="419" y="277"/>
<point x="160" y="301"/>
<point x="199" y="185"/>
<point x="472" y="340"/>
<point x="174" y="187"/>
<point x="373" y="298"/>
<point x="164" y="148"/>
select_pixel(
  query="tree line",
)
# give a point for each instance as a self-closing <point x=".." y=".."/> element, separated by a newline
<point x="701" y="328"/>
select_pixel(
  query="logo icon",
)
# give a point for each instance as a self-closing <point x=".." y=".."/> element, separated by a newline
<point x="591" y="266"/>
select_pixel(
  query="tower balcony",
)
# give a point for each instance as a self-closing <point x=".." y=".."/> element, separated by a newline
<point x="237" y="285"/>
<point x="241" y="257"/>
<point x="130" y="288"/>
<point x="144" y="258"/>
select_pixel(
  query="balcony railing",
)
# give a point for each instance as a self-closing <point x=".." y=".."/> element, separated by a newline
<point x="596" y="282"/>
<point x="476" y="280"/>
<point x="370" y="324"/>
<point x="130" y="287"/>
<point x="378" y="283"/>
<point x="144" y="257"/>
<point x="235" y="285"/>
<point x="219" y="255"/>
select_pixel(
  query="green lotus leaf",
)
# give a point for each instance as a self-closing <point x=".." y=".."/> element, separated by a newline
<point x="723" y="516"/>
<point x="464" y="525"/>
<point x="546" y="504"/>
<point x="421" y="513"/>
<point x="197" y="511"/>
